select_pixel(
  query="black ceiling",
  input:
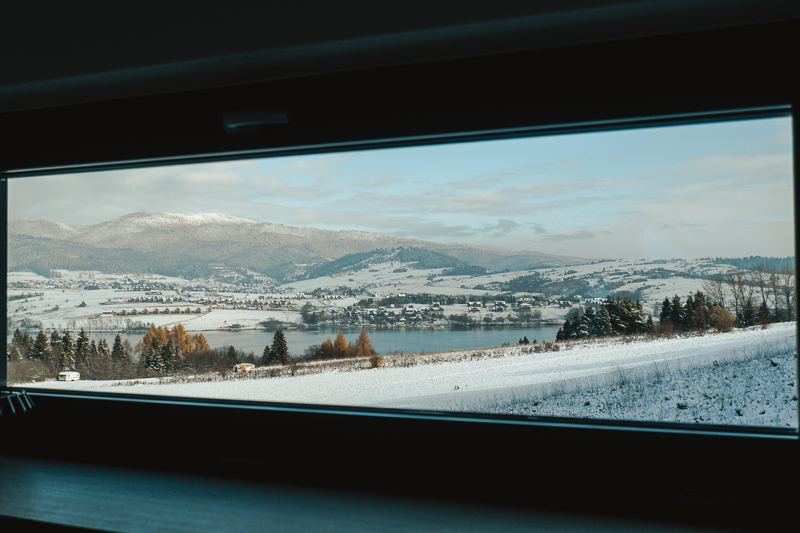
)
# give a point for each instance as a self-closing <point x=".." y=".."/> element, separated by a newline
<point x="56" y="53"/>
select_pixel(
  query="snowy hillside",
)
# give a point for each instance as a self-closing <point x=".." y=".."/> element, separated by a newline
<point x="503" y="379"/>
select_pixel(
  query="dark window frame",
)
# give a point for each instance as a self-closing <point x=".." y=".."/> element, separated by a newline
<point x="686" y="77"/>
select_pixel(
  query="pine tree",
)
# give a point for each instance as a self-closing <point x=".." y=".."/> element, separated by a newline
<point x="590" y="319"/>
<point x="279" y="353"/>
<point x="561" y="334"/>
<point x="230" y="356"/>
<point x="168" y="356"/>
<point x="67" y="353"/>
<point x="748" y="313"/>
<point x="13" y="353"/>
<point x="117" y="352"/>
<point x="93" y="350"/>
<point x="266" y="359"/>
<point x="40" y="348"/>
<point x="688" y="313"/>
<point x="604" y="325"/>
<point x="102" y="348"/>
<point x="55" y="350"/>
<point x="666" y="310"/>
<point x="153" y="358"/>
<point x="17" y="340"/>
<point x="82" y="348"/>
<point x="676" y="312"/>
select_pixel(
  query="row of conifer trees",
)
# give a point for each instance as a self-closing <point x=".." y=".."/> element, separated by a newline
<point x="622" y="316"/>
<point x="58" y="352"/>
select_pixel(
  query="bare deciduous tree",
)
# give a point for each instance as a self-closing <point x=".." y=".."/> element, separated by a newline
<point x="773" y="282"/>
<point x="788" y="285"/>
<point x="715" y="289"/>
<point x="737" y="282"/>
<point x="759" y="279"/>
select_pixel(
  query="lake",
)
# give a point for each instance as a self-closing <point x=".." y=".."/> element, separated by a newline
<point x="383" y="340"/>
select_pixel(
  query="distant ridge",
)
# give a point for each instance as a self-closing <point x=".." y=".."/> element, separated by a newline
<point x="172" y="244"/>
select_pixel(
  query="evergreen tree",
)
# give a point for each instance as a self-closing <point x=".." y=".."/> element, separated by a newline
<point x="153" y="356"/>
<point x="82" y="348"/>
<point x="67" y="353"/>
<point x="279" y="352"/>
<point x="92" y="350"/>
<point x="637" y="316"/>
<point x="168" y="356"/>
<point x="13" y="353"/>
<point x="590" y="318"/>
<point x="688" y="313"/>
<point x="266" y="359"/>
<point x="40" y="347"/>
<point x="102" y="348"/>
<point x="117" y="352"/>
<point x="17" y="339"/>
<point x="649" y="325"/>
<point x="748" y="313"/>
<point x="582" y="329"/>
<point x="676" y="312"/>
<point x="666" y="310"/>
<point x="55" y="350"/>
<point x="604" y="326"/>
<point x="563" y="332"/>
<point x="230" y="356"/>
<point x="762" y="316"/>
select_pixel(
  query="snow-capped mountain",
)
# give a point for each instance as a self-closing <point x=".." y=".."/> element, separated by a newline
<point x="173" y="243"/>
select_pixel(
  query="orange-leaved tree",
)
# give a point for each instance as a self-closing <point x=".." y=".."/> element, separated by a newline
<point x="181" y="339"/>
<point x="340" y="346"/>
<point x="326" y="350"/>
<point x="364" y="345"/>
<point x="155" y="338"/>
<point x="199" y="343"/>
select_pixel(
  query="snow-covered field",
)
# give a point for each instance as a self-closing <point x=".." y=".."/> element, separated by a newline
<point x="702" y="379"/>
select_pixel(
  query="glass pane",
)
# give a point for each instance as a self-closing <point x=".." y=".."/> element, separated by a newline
<point x="645" y="274"/>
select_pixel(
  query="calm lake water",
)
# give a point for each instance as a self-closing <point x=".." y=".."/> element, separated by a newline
<point x="383" y="340"/>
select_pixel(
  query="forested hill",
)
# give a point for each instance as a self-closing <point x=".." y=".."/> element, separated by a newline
<point x="745" y="263"/>
<point x="416" y="258"/>
<point x="191" y="245"/>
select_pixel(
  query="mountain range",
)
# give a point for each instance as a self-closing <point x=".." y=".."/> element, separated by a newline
<point x="193" y="245"/>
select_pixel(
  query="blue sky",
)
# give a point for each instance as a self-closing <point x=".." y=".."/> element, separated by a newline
<point x="720" y="189"/>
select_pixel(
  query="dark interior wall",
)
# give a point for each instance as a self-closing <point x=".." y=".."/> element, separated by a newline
<point x="55" y="53"/>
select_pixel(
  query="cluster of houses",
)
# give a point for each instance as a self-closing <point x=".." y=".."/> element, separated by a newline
<point x="497" y="307"/>
<point x="153" y="311"/>
<point x="155" y="298"/>
<point x="409" y="314"/>
<point x="260" y="304"/>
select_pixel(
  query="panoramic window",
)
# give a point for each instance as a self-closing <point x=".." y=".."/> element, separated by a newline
<point x="644" y="274"/>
